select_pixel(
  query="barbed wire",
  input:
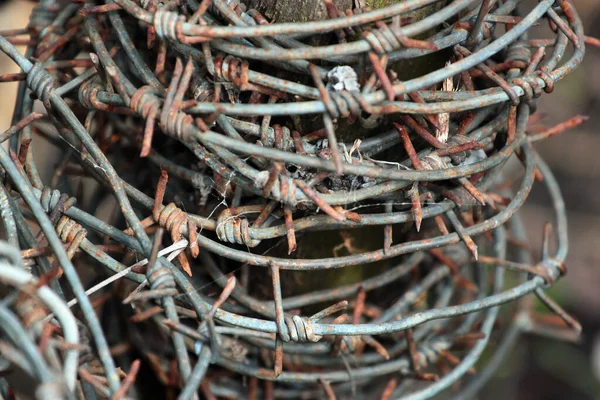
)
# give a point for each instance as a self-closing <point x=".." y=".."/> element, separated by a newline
<point x="212" y="107"/>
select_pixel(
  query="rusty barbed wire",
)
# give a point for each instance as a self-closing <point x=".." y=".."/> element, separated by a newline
<point x="210" y="107"/>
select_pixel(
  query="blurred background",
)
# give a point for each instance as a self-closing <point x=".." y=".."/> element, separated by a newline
<point x="538" y="368"/>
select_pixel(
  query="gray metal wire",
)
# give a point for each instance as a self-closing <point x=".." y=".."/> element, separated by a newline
<point x="214" y="84"/>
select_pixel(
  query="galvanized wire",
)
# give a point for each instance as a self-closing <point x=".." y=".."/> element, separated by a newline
<point x="214" y="95"/>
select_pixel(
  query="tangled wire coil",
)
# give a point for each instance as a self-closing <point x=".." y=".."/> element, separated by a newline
<point x="234" y="98"/>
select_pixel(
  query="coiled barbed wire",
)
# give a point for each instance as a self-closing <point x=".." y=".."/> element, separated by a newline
<point x="235" y="96"/>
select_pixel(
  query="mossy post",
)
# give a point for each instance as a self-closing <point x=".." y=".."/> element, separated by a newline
<point x="338" y="243"/>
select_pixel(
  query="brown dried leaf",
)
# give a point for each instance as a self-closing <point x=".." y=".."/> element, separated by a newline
<point x="444" y="118"/>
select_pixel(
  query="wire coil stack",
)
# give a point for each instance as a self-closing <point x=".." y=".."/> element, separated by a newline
<point x="239" y="136"/>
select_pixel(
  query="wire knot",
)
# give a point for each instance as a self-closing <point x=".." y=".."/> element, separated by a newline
<point x="54" y="204"/>
<point x="178" y="124"/>
<point x="531" y="87"/>
<point x="280" y="137"/>
<point x="346" y="103"/>
<point x="146" y="103"/>
<point x="386" y="39"/>
<point x="519" y="51"/>
<point x="233" y="229"/>
<point x="279" y="187"/>
<point x="203" y="90"/>
<point x="144" y="100"/>
<point x="297" y="329"/>
<point x="382" y="40"/>
<point x="88" y="92"/>
<point x="171" y="218"/>
<point x="232" y="69"/>
<point x="160" y="277"/>
<point x="41" y="83"/>
<point x="167" y="24"/>
<point x="551" y="270"/>
<point x="175" y="220"/>
<point x="71" y="232"/>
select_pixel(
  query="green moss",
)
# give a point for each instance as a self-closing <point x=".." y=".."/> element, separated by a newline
<point x="379" y="3"/>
